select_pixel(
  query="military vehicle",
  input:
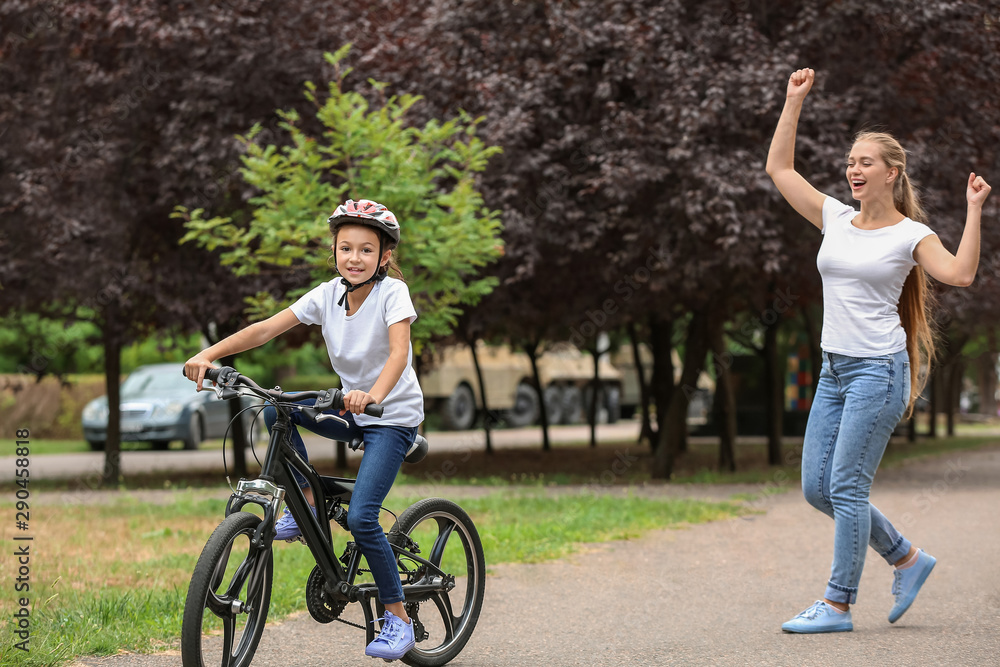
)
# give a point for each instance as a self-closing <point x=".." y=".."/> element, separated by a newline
<point x="451" y="389"/>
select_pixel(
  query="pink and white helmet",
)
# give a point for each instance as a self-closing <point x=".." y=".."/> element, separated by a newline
<point x="366" y="212"/>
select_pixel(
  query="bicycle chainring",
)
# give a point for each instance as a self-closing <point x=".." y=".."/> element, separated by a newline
<point x="320" y="606"/>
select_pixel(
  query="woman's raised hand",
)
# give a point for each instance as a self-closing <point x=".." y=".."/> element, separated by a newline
<point x="978" y="190"/>
<point x="799" y="83"/>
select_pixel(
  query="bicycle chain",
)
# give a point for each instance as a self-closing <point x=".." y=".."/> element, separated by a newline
<point x="353" y="625"/>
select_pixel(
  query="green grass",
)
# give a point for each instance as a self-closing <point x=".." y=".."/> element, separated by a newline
<point x="114" y="576"/>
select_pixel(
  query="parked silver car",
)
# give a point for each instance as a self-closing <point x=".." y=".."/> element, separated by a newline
<point x="158" y="404"/>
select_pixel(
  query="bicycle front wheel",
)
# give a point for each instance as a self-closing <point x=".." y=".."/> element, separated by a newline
<point x="228" y="597"/>
<point x="444" y="621"/>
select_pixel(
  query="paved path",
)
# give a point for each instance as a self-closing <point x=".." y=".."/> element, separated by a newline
<point x="716" y="594"/>
<point x="86" y="467"/>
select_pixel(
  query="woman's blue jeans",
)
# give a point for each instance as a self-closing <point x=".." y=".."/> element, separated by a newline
<point x="858" y="403"/>
<point x="385" y="447"/>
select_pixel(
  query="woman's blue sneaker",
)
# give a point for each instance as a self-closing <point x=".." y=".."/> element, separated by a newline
<point x="285" y="527"/>
<point x="908" y="582"/>
<point x="820" y="617"/>
<point x="395" y="639"/>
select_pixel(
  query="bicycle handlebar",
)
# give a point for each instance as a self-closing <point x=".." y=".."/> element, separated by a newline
<point x="330" y="399"/>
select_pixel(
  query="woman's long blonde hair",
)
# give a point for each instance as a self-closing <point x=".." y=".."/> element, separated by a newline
<point x="916" y="301"/>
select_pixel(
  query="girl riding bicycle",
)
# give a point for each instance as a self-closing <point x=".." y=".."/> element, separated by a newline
<point x="365" y="317"/>
<point x="875" y="339"/>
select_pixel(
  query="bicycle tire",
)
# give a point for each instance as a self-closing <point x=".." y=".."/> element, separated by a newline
<point x="241" y="586"/>
<point x="451" y="521"/>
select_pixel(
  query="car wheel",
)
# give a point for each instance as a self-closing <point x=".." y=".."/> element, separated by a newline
<point x="459" y="411"/>
<point x="613" y="402"/>
<point x="525" y="411"/>
<point x="588" y="397"/>
<point x="572" y="405"/>
<point x="96" y="445"/>
<point x="553" y="403"/>
<point x="193" y="438"/>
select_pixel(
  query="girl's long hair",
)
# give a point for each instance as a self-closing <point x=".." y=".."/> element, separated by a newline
<point x="916" y="300"/>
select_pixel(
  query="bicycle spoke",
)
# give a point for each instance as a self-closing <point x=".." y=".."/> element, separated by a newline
<point x="239" y="578"/>
<point x="445" y="529"/>
<point x="220" y="568"/>
<point x="228" y="634"/>
<point x="443" y="603"/>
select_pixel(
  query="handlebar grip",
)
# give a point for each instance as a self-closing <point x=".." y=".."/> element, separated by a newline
<point x="374" y="410"/>
<point x="212" y="374"/>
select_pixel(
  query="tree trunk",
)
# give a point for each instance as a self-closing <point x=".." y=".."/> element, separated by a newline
<point x="238" y="434"/>
<point x="531" y="349"/>
<point x="662" y="383"/>
<point x="988" y="376"/>
<point x="595" y="394"/>
<point x="646" y="433"/>
<point x="673" y="431"/>
<point x="487" y="419"/>
<point x="774" y="394"/>
<point x="724" y="394"/>
<point x="954" y="395"/>
<point x="815" y="353"/>
<point x="112" y="380"/>
<point x="932" y="402"/>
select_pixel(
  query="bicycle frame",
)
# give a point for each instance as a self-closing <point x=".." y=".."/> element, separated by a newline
<point x="277" y="482"/>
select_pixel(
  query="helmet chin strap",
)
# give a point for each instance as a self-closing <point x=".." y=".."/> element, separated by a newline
<point x="378" y="277"/>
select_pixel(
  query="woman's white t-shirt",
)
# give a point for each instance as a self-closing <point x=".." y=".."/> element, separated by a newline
<point x="863" y="273"/>
<point x="358" y="344"/>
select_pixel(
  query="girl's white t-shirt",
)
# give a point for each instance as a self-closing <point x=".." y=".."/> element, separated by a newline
<point x="863" y="273"/>
<point x="358" y="344"/>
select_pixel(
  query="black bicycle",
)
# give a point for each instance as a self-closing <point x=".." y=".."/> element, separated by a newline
<point x="438" y="552"/>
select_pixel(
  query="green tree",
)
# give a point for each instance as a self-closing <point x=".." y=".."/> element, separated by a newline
<point x="426" y="175"/>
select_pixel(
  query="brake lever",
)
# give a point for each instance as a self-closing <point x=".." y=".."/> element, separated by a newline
<point x="327" y="416"/>
<point x="317" y="416"/>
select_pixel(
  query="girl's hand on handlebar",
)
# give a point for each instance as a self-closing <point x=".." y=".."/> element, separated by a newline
<point x="195" y="367"/>
<point x="356" y="400"/>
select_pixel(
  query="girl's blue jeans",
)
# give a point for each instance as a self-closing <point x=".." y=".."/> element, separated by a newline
<point x="858" y="403"/>
<point x="385" y="447"/>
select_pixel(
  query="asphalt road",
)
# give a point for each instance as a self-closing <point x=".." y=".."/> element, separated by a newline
<point x="716" y="594"/>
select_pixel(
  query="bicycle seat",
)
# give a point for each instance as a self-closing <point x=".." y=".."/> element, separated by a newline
<point x="415" y="454"/>
<point x="417" y="451"/>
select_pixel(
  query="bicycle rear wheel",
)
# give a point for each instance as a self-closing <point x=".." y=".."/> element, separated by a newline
<point x="444" y="621"/>
<point x="232" y="582"/>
